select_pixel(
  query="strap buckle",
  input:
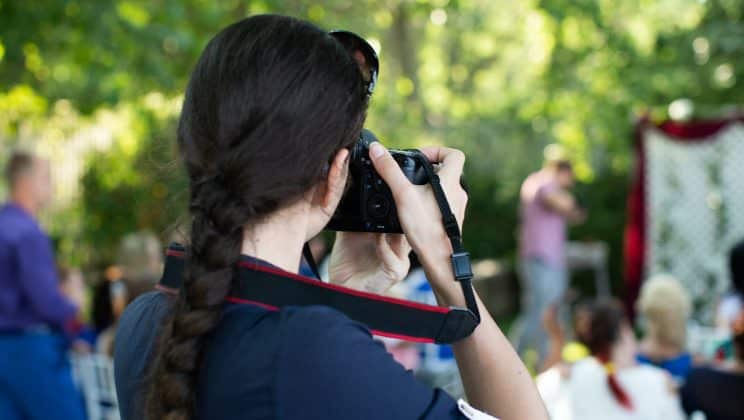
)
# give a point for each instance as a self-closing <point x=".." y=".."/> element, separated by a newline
<point x="461" y="266"/>
<point x="458" y="324"/>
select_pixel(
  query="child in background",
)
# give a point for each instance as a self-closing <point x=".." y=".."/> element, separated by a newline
<point x="71" y="284"/>
<point x="608" y="384"/>
<point x="665" y="306"/>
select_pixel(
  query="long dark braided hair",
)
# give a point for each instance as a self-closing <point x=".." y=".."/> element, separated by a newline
<point x="270" y="102"/>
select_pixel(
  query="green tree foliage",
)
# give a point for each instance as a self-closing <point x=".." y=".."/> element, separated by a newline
<point x="132" y="190"/>
<point x="498" y="79"/>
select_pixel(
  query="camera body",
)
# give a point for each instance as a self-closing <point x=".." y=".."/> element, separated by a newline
<point x="367" y="204"/>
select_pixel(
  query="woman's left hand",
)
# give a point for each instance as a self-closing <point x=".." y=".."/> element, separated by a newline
<point x="371" y="262"/>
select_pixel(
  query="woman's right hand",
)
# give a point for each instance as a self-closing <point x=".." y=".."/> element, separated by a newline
<point x="421" y="218"/>
<point x="494" y="378"/>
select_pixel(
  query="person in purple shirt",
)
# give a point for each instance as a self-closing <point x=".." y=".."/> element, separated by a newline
<point x="546" y="206"/>
<point x="35" y="377"/>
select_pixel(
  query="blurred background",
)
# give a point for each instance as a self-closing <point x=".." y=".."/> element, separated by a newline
<point x="644" y="97"/>
<point x="96" y="87"/>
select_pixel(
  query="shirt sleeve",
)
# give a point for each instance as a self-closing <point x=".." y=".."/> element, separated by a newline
<point x="37" y="278"/>
<point x="330" y="367"/>
<point x="544" y="190"/>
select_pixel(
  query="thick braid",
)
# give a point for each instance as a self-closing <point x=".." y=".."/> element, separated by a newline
<point x="269" y="104"/>
<point x="216" y="237"/>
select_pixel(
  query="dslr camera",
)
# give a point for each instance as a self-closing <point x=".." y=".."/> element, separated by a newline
<point x="368" y="205"/>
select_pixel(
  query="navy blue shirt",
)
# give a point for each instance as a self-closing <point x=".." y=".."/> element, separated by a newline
<point x="29" y="289"/>
<point x="300" y="362"/>
<point x="715" y="392"/>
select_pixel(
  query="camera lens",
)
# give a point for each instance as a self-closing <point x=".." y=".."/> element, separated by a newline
<point x="378" y="206"/>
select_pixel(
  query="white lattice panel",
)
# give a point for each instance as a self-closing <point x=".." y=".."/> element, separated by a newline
<point x="695" y="210"/>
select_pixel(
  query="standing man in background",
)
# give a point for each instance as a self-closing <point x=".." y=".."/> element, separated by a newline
<point x="35" y="376"/>
<point x="545" y="208"/>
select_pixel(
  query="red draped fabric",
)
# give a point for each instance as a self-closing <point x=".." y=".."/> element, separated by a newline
<point x="635" y="229"/>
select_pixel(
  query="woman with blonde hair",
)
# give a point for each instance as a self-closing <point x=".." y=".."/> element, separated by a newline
<point x="665" y="308"/>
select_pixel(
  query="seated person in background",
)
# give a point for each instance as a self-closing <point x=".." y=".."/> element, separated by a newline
<point x="665" y="307"/>
<point x="72" y="285"/>
<point x="716" y="391"/>
<point x="609" y="384"/>
<point x="124" y="291"/>
<point x="719" y="391"/>
<point x="561" y="354"/>
<point x="139" y="264"/>
<point x="733" y="301"/>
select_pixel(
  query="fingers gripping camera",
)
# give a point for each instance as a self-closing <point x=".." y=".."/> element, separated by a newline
<point x="368" y="205"/>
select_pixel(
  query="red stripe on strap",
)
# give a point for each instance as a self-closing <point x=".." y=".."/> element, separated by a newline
<point x="166" y="289"/>
<point x="341" y="289"/>
<point x="375" y="332"/>
<point x="175" y="253"/>
<point x="345" y="290"/>
<point x="232" y="299"/>
<point x="403" y="337"/>
<point x="316" y="283"/>
<point x="272" y="308"/>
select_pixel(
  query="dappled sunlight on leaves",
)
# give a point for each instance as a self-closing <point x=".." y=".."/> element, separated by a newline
<point x="98" y="86"/>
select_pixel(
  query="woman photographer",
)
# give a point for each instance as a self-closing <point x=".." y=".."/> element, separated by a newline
<point x="270" y="111"/>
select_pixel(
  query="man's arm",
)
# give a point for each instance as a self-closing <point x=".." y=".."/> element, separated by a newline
<point x="563" y="203"/>
<point x="37" y="277"/>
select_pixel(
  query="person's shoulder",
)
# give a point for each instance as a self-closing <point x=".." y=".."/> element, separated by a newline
<point x="587" y="364"/>
<point x="135" y="337"/>
<point x="702" y="370"/>
<point x="148" y="301"/>
<point x="321" y="322"/>
<point x="140" y="315"/>
<point x="18" y="226"/>
<point x="647" y="372"/>
<point x="321" y="335"/>
<point x="713" y="374"/>
<point x="648" y="379"/>
<point x="138" y="326"/>
<point x="323" y="352"/>
<point x="547" y="185"/>
<point x="531" y="180"/>
<point x="306" y="328"/>
<point x="552" y="383"/>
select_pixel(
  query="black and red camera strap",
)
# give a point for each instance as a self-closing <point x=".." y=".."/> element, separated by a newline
<point x="273" y="289"/>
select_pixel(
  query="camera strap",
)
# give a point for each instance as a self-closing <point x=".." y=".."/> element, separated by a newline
<point x="460" y="258"/>
<point x="272" y="288"/>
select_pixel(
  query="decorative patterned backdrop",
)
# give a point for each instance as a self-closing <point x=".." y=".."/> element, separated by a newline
<point x="694" y="210"/>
